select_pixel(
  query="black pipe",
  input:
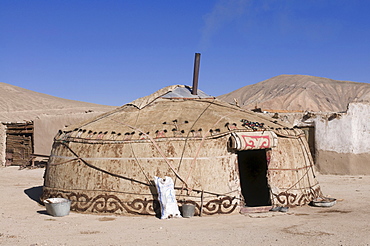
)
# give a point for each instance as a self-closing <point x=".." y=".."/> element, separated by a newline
<point x="194" y="90"/>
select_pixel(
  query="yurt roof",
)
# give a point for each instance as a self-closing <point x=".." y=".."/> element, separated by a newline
<point x="173" y="112"/>
<point x="174" y="92"/>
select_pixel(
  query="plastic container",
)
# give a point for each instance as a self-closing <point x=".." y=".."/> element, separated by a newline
<point x="57" y="207"/>
<point x="188" y="210"/>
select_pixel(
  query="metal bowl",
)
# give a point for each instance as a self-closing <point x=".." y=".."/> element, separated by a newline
<point x="324" y="202"/>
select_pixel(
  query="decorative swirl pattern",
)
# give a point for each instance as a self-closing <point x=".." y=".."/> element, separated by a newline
<point x="220" y="206"/>
<point x="291" y="200"/>
<point x="108" y="203"/>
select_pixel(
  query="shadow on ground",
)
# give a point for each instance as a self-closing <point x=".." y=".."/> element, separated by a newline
<point x="34" y="193"/>
<point x="43" y="212"/>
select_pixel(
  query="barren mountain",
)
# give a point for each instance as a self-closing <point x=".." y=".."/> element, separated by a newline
<point x="299" y="93"/>
<point x="17" y="103"/>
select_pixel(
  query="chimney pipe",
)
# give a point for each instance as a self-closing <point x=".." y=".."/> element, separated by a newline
<point x="194" y="90"/>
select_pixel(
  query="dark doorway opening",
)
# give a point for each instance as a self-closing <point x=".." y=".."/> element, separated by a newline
<point x="309" y="132"/>
<point x="253" y="177"/>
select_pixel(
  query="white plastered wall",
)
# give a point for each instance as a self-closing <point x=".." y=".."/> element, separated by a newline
<point x="342" y="144"/>
<point x="342" y="140"/>
<point x="348" y="134"/>
<point x="2" y="144"/>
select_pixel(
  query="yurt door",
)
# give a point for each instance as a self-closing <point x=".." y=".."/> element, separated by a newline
<point x="253" y="177"/>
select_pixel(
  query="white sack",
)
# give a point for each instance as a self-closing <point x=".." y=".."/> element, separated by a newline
<point x="166" y="197"/>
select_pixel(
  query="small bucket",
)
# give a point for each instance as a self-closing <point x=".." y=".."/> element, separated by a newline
<point x="188" y="210"/>
<point x="57" y="207"/>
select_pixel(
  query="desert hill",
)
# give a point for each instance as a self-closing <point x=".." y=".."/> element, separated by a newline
<point x="299" y="93"/>
<point x="48" y="114"/>
<point x="21" y="104"/>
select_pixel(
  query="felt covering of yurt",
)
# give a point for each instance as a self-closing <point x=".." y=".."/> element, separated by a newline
<point x="107" y="164"/>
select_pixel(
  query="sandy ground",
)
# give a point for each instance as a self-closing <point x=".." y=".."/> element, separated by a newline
<point x="24" y="221"/>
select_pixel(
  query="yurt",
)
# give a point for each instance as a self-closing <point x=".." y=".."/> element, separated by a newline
<point x="222" y="159"/>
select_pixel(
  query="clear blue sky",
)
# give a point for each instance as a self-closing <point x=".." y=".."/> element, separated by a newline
<point x="112" y="52"/>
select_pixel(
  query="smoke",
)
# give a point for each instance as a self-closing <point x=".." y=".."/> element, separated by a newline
<point x="267" y="16"/>
<point x="224" y="12"/>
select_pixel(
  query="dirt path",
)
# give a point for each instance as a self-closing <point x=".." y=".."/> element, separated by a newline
<point x="24" y="222"/>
